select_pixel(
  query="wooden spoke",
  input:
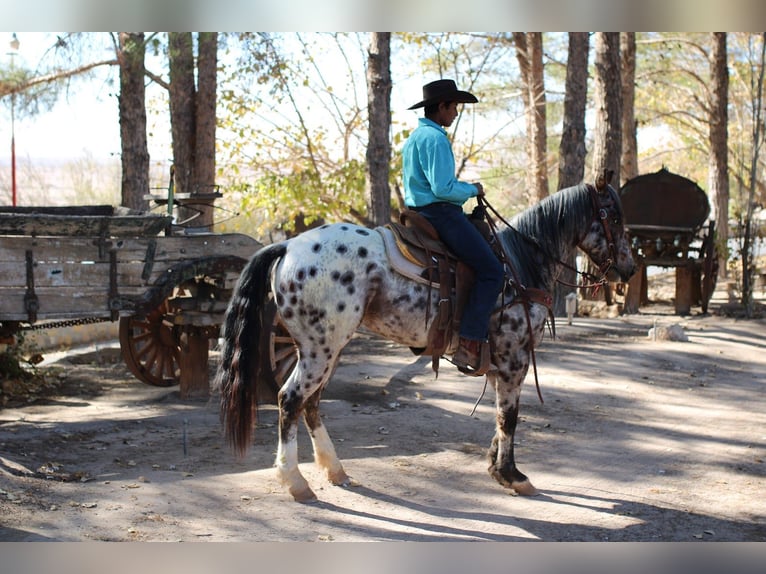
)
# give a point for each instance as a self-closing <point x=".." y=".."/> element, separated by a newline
<point x="150" y="349"/>
<point x="278" y="354"/>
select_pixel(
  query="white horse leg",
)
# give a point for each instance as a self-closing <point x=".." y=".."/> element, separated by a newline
<point x="301" y="395"/>
<point x="291" y="401"/>
<point x="324" y="451"/>
<point x="324" y="455"/>
<point x="287" y="467"/>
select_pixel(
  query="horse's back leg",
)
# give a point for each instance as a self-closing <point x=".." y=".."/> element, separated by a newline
<point x="300" y="396"/>
<point x="324" y="451"/>
<point x="321" y="287"/>
<point x="290" y="399"/>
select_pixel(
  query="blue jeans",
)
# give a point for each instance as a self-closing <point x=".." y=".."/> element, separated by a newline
<point x="465" y="241"/>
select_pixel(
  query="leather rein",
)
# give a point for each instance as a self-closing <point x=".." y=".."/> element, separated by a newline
<point x="528" y="295"/>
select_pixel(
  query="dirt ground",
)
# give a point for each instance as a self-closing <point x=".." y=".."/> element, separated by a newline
<point x="637" y="440"/>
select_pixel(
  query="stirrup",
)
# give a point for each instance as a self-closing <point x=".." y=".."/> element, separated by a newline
<point x="485" y="366"/>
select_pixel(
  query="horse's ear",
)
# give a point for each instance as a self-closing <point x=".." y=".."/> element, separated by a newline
<point x="603" y="179"/>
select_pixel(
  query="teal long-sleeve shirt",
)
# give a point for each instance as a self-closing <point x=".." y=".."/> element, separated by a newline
<point x="428" y="166"/>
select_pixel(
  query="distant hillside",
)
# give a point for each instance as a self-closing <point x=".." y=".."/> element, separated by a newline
<point x="82" y="181"/>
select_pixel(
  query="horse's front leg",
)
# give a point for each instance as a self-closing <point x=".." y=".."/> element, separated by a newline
<point x="502" y="465"/>
<point x="324" y="451"/>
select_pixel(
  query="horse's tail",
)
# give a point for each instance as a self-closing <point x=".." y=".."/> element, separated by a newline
<point x="240" y="367"/>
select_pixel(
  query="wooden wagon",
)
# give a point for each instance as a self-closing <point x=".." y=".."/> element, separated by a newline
<point x="667" y="219"/>
<point x="167" y="287"/>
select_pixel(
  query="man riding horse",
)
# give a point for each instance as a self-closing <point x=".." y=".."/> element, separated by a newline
<point x="431" y="189"/>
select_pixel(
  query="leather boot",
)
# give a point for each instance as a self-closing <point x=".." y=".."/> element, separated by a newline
<point x="467" y="358"/>
<point x="468" y="354"/>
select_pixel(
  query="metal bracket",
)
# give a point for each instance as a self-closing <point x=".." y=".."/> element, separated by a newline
<point x="151" y="249"/>
<point x="31" y="303"/>
<point x="102" y="235"/>
<point x="114" y="295"/>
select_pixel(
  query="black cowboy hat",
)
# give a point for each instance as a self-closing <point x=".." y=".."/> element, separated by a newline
<point x="443" y="91"/>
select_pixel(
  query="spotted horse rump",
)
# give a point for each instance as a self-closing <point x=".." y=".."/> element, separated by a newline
<point x="328" y="282"/>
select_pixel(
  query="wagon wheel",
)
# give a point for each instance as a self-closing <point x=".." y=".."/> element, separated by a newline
<point x="709" y="268"/>
<point x="278" y="352"/>
<point x="150" y="347"/>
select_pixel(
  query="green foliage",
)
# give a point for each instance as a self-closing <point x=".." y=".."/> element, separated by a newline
<point x="29" y="101"/>
<point x="283" y="200"/>
<point x="10" y="367"/>
<point x="305" y="160"/>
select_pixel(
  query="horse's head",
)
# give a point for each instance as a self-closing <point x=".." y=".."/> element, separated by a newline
<point x="606" y="242"/>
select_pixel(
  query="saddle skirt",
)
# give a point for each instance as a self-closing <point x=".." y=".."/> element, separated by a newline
<point x="414" y="253"/>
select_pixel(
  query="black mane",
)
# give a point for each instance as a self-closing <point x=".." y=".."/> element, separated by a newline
<point x="544" y="234"/>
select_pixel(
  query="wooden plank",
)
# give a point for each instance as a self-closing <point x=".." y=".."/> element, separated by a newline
<point x="661" y="228"/>
<point x="168" y="249"/>
<point x="76" y="261"/>
<point x="45" y="224"/>
<point x="55" y="304"/>
<point x="74" y="275"/>
<point x="72" y="280"/>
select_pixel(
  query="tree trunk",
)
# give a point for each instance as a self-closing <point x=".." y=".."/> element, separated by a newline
<point x="572" y="149"/>
<point x="529" y="52"/>
<point x="204" y="152"/>
<point x="193" y="122"/>
<point x="629" y="160"/>
<point x="718" y="176"/>
<point x="182" y="113"/>
<point x="748" y="256"/>
<point x="379" y="111"/>
<point x="135" y="154"/>
<point x="607" y="147"/>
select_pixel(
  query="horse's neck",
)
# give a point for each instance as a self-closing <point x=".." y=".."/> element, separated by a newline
<point x="557" y="248"/>
<point x="552" y="267"/>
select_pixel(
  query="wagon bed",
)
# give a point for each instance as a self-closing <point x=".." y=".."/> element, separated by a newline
<point x="168" y="287"/>
<point x="666" y="217"/>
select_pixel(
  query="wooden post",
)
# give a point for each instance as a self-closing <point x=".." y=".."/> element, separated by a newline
<point x="684" y="291"/>
<point x="194" y="380"/>
<point x="644" y="285"/>
<point x="635" y="286"/>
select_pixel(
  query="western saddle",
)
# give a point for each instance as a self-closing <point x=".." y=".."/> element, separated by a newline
<point x="415" y="250"/>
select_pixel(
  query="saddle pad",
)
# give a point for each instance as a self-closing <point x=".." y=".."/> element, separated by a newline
<point x="400" y="262"/>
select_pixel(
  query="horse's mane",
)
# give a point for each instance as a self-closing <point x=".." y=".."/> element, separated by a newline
<point x="540" y="236"/>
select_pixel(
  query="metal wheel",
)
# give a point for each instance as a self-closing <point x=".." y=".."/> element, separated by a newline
<point x="150" y="347"/>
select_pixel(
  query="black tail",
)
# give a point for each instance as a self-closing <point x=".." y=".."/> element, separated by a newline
<point x="240" y="366"/>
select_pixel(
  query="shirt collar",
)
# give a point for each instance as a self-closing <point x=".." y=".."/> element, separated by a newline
<point x="428" y="122"/>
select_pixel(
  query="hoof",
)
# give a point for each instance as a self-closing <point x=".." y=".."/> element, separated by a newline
<point x="525" y="488"/>
<point x="304" y="496"/>
<point x="339" y="479"/>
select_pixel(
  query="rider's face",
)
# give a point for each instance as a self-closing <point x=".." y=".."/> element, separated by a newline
<point x="447" y="113"/>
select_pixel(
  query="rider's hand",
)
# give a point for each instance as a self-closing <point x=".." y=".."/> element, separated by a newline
<point x="479" y="189"/>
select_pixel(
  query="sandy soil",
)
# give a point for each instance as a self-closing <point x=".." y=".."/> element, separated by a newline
<point x="637" y="440"/>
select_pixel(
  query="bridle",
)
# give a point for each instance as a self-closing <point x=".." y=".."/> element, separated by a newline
<point x="601" y="215"/>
